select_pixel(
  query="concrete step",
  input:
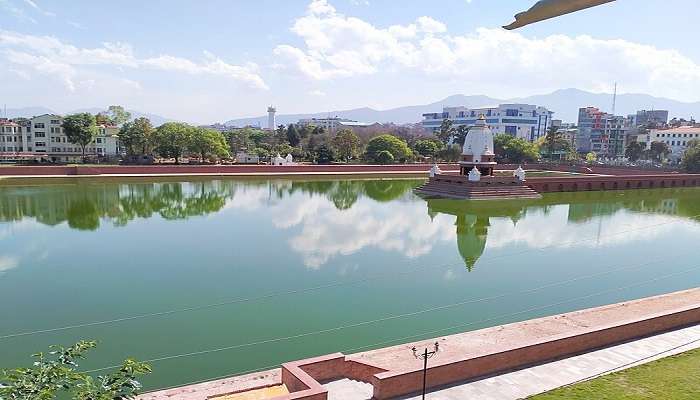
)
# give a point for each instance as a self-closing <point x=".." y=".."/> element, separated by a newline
<point x="348" y="389"/>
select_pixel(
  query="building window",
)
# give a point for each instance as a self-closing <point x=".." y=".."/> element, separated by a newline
<point x="38" y="125"/>
<point x="511" y="130"/>
<point x="99" y="140"/>
<point x="39" y="134"/>
<point x="55" y="122"/>
<point x="40" y="144"/>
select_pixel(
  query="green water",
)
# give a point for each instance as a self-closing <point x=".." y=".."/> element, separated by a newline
<point x="80" y="251"/>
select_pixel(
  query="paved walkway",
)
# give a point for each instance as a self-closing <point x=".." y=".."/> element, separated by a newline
<point x="545" y="377"/>
<point x="541" y="378"/>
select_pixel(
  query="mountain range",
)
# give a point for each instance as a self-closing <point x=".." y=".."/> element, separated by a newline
<point x="565" y="104"/>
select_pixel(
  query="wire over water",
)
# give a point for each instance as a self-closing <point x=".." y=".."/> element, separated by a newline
<point x="302" y="290"/>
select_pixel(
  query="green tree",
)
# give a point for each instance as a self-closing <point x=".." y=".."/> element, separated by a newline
<point x="208" y="142"/>
<point x="461" y="134"/>
<point x="323" y="154"/>
<point x="514" y="150"/>
<point x="397" y="147"/>
<point x="450" y="153"/>
<point x="385" y="157"/>
<point x="136" y="136"/>
<point x="346" y="144"/>
<point x="426" y="147"/>
<point x="658" y="151"/>
<point x="634" y="151"/>
<point x="551" y="139"/>
<point x="591" y="157"/>
<point x="117" y="115"/>
<point x="293" y="136"/>
<point x="172" y="139"/>
<point x="691" y="157"/>
<point x="80" y="129"/>
<point x="446" y="131"/>
<point x="54" y="374"/>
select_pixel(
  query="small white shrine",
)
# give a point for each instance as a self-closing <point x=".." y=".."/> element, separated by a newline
<point x="281" y="161"/>
<point x="477" y="151"/>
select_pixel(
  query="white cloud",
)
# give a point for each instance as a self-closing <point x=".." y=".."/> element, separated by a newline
<point x="36" y="7"/>
<point x="16" y="12"/>
<point x="50" y="56"/>
<point x="336" y="46"/>
<point x="317" y="92"/>
<point x="7" y="263"/>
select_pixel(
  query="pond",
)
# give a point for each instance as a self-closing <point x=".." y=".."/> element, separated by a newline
<point x="212" y="277"/>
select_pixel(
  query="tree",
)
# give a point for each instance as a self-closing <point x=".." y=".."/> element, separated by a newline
<point x="426" y="148"/>
<point x="634" y="151"/>
<point x="691" y="157"/>
<point x="80" y="129"/>
<point x="446" y="131"/>
<point x="397" y="147"/>
<point x="293" y="136"/>
<point x="117" y="115"/>
<point x="461" y="134"/>
<point x="55" y="373"/>
<point x="172" y="139"/>
<point x="136" y="136"/>
<point x="514" y="150"/>
<point x="450" y="153"/>
<point x="323" y="154"/>
<point x="591" y="157"/>
<point x="658" y="151"/>
<point x="346" y="144"/>
<point x="551" y="139"/>
<point x="208" y="142"/>
<point x="385" y="157"/>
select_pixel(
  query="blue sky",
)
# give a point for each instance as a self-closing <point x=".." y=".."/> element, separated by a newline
<point x="209" y="61"/>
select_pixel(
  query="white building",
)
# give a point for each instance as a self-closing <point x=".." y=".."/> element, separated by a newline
<point x="330" y="124"/>
<point x="525" y="121"/>
<point x="42" y="137"/>
<point x="677" y="139"/>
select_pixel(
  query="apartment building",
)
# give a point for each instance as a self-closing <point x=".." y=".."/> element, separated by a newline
<point x="525" y="121"/>
<point x="42" y="138"/>
<point x="676" y="138"/>
<point x="602" y="133"/>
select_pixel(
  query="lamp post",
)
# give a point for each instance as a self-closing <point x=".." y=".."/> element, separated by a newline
<point x="425" y="356"/>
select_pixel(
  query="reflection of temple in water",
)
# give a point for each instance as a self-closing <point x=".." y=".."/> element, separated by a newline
<point x="473" y="222"/>
<point x="473" y="217"/>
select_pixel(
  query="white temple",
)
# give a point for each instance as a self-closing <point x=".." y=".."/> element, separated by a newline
<point x="477" y="151"/>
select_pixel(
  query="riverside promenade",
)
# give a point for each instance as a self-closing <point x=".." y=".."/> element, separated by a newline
<point x="469" y="357"/>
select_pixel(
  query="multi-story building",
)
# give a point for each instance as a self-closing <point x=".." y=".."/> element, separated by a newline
<point x="42" y="137"/>
<point x="525" y="121"/>
<point x="646" y="117"/>
<point x="676" y="138"/>
<point x="600" y="132"/>
<point x="331" y="123"/>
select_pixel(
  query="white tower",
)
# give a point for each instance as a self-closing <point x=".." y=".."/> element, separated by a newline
<point x="271" y="118"/>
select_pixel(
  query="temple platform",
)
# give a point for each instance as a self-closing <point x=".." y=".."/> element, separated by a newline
<point x="487" y="188"/>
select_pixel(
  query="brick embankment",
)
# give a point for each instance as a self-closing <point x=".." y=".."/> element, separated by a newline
<point x="220" y="170"/>
<point x="393" y="371"/>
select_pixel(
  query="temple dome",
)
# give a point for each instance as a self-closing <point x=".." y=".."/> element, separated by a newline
<point x="479" y="141"/>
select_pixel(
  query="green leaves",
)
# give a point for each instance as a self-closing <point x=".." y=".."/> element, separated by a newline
<point x="80" y="129"/>
<point x="55" y="372"/>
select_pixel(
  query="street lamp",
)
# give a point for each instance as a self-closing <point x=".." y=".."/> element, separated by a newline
<point x="425" y="356"/>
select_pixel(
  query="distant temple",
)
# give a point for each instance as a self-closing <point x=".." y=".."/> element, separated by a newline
<point x="476" y="180"/>
<point x="477" y="151"/>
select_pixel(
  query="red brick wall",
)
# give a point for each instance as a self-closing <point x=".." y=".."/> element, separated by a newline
<point x="390" y="385"/>
<point x="213" y="169"/>
<point x="587" y="183"/>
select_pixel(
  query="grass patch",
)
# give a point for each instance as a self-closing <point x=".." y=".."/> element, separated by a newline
<point x="672" y="378"/>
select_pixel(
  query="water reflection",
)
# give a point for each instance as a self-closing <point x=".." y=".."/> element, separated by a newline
<point x="340" y="218"/>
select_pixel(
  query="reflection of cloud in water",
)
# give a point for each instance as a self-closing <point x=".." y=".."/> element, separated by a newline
<point x="556" y="231"/>
<point x="327" y="232"/>
<point x="7" y="263"/>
